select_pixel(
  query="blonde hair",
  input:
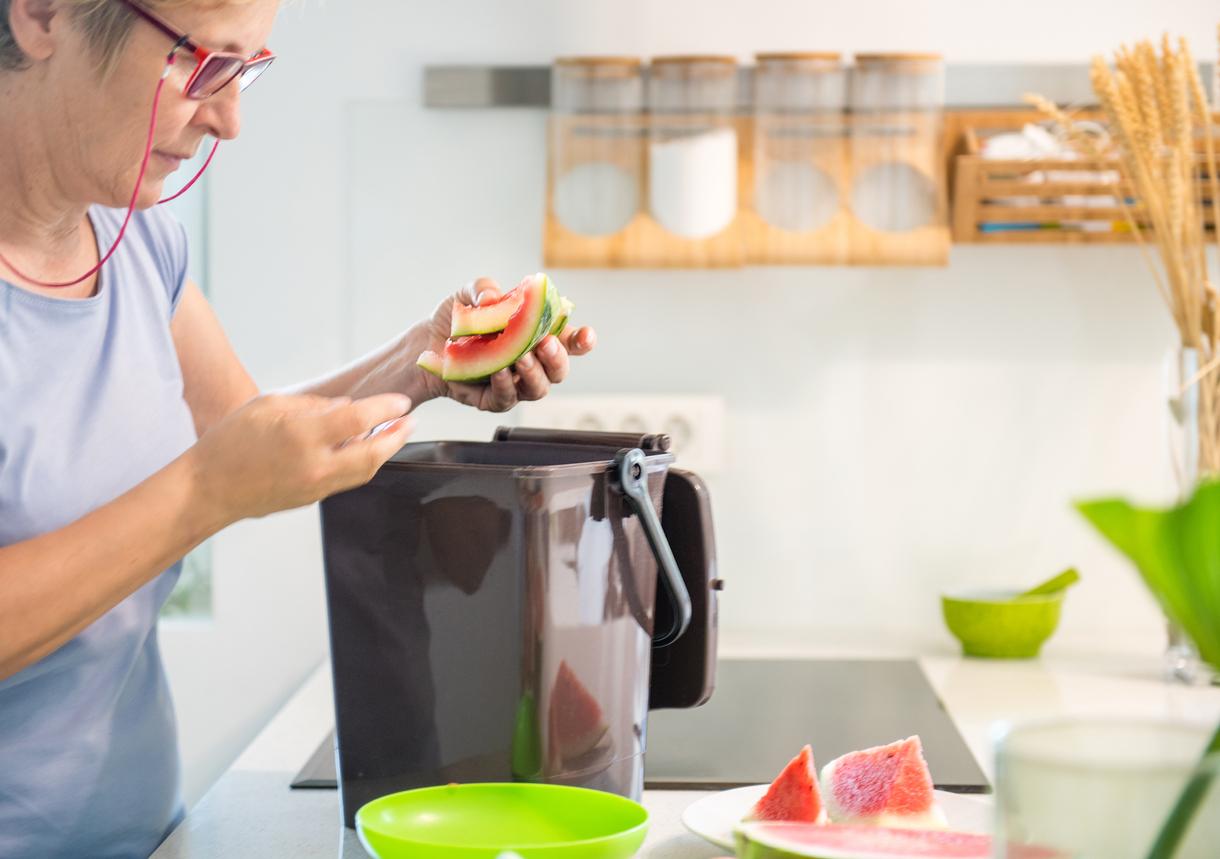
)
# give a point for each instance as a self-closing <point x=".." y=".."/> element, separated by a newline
<point x="105" y="24"/>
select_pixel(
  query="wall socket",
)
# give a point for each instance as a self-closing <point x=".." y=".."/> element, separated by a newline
<point x="694" y="423"/>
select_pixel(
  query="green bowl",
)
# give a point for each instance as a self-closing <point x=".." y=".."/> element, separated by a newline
<point x="484" y="821"/>
<point x="1000" y="624"/>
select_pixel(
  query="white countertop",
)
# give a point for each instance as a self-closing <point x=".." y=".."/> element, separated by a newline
<point x="252" y="812"/>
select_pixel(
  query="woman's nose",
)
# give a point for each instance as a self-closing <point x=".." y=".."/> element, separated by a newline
<point x="221" y="113"/>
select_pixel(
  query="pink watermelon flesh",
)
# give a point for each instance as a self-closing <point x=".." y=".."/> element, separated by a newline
<point x="485" y="318"/>
<point x="835" y="840"/>
<point x="794" y="794"/>
<point x="576" y="723"/>
<point x="891" y="779"/>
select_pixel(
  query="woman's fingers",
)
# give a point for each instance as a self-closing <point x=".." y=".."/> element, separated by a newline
<point x="483" y="290"/>
<point x="578" y="341"/>
<point x="360" y="459"/>
<point x="532" y="382"/>
<point x="531" y="377"/>
<point x="498" y="394"/>
<point x="554" y="360"/>
<point x="501" y="393"/>
<point x="467" y="395"/>
<point x="358" y="418"/>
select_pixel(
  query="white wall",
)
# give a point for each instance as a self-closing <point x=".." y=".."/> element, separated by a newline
<point x="923" y="428"/>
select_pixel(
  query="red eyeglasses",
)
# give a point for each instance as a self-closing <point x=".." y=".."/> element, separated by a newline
<point x="215" y="70"/>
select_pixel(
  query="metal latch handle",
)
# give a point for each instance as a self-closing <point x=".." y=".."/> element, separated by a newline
<point x="633" y="480"/>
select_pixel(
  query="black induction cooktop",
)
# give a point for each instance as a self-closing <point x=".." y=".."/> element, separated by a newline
<point x="763" y="711"/>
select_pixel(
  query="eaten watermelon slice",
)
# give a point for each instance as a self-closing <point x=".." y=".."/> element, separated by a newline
<point x="794" y="795"/>
<point x="575" y="719"/>
<point x="885" y="785"/>
<point x="835" y="841"/>
<point x="485" y="318"/>
<point x="539" y="311"/>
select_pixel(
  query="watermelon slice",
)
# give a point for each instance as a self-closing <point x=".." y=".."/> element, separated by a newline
<point x="485" y="318"/>
<point x="835" y="841"/>
<point x="475" y="357"/>
<point x="794" y="795"/>
<point x="885" y="785"/>
<point x="575" y="718"/>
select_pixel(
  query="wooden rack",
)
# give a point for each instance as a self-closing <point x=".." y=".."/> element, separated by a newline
<point x="1036" y="201"/>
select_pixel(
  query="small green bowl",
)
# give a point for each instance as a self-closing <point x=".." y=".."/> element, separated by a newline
<point x="1001" y="624"/>
<point x="485" y="821"/>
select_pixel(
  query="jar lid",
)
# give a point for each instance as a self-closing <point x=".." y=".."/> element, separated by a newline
<point x="788" y="56"/>
<point x="695" y="59"/>
<point x="625" y="62"/>
<point x="899" y="57"/>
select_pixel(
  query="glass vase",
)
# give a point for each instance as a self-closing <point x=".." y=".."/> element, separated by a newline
<point x="1186" y="412"/>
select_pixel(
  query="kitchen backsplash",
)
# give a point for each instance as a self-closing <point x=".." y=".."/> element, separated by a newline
<point x="909" y="430"/>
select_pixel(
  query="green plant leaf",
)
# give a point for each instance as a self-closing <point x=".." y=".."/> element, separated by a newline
<point x="1177" y="552"/>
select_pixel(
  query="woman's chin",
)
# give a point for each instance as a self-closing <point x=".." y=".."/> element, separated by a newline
<point x="151" y="191"/>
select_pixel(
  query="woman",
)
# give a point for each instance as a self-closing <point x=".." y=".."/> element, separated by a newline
<point x="129" y="431"/>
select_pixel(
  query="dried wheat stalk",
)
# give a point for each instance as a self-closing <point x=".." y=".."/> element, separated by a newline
<point x="1157" y="111"/>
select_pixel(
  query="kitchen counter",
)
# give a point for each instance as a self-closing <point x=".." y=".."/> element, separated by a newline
<point x="252" y="812"/>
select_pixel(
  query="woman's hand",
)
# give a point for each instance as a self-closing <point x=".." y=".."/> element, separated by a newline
<point x="529" y="379"/>
<point x="278" y="451"/>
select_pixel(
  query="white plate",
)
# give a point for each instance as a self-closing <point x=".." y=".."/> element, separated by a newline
<point x="714" y="817"/>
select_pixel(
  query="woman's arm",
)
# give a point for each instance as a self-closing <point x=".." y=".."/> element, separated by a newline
<point x="55" y="585"/>
<point x="214" y="382"/>
<point x="255" y="456"/>
<point x="272" y="454"/>
<point x="392" y="367"/>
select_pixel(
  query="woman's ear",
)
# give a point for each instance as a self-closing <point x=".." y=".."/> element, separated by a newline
<point x="31" y="22"/>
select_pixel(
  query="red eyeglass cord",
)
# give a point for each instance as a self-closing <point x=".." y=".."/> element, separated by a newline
<point x="152" y="124"/>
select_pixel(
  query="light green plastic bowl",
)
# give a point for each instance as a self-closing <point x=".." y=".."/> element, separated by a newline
<point x="486" y="821"/>
<point x="1000" y="624"/>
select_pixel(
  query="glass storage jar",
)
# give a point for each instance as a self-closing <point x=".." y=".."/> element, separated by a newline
<point x="898" y="194"/>
<point x="596" y="143"/>
<point x="799" y="138"/>
<point x="693" y="144"/>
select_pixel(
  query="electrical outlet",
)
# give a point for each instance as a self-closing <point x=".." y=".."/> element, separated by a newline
<point x="694" y="423"/>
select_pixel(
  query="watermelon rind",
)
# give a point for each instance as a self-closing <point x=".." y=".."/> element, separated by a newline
<point x="432" y="362"/>
<point x="495" y="352"/>
<point x="561" y="313"/>
<point x="783" y="841"/>
<point x="484" y="318"/>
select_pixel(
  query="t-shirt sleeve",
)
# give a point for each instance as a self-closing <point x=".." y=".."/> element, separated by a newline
<point x="179" y="251"/>
<point x="169" y="245"/>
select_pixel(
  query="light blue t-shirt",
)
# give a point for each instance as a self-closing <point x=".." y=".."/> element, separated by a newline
<point x="91" y="405"/>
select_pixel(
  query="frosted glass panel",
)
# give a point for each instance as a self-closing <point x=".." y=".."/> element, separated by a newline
<point x="191" y="209"/>
<point x="193" y="595"/>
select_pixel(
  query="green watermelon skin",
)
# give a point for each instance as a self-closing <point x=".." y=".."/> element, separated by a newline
<point x="836" y="841"/>
<point x="561" y="312"/>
